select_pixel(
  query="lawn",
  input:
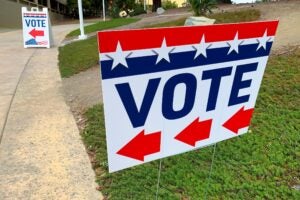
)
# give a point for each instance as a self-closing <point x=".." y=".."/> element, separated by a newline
<point x="262" y="164"/>
<point x="236" y="16"/>
<point x="79" y="56"/>
<point x="227" y="17"/>
<point x="104" y="25"/>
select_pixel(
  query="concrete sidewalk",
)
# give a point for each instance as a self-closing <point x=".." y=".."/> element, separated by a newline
<point x="41" y="153"/>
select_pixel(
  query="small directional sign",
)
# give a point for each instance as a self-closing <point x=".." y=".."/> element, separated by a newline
<point x="173" y="90"/>
<point x="36" y="28"/>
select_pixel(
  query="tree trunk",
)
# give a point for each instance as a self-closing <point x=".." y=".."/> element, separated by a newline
<point x="156" y="4"/>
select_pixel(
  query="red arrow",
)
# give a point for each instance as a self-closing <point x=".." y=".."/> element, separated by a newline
<point x="239" y="120"/>
<point x="195" y="131"/>
<point x="35" y="33"/>
<point x="141" y="146"/>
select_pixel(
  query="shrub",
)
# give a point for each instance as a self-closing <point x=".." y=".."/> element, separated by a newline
<point x="137" y="10"/>
<point x="114" y="12"/>
<point x="121" y="5"/>
<point x="168" y="4"/>
<point x="202" y="7"/>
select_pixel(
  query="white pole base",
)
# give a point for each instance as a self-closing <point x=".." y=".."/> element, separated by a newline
<point x="82" y="37"/>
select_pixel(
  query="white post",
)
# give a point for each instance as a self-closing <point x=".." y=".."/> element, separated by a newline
<point x="103" y="5"/>
<point x="49" y="4"/>
<point x="144" y="5"/>
<point x="82" y="36"/>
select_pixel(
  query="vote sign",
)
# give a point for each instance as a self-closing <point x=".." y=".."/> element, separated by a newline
<point x="36" y="28"/>
<point x="173" y="90"/>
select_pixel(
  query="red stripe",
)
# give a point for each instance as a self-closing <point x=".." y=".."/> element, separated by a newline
<point x="34" y="13"/>
<point x="152" y="38"/>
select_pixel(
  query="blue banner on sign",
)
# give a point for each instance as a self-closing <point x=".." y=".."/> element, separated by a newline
<point x="147" y="64"/>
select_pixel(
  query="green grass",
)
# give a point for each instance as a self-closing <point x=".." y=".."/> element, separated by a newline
<point x="78" y="56"/>
<point x="81" y="55"/>
<point x="104" y="25"/>
<point x="178" y="22"/>
<point x="236" y="16"/>
<point x="227" y="17"/>
<point x="262" y="164"/>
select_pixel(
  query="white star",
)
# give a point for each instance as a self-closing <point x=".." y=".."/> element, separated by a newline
<point x="163" y="52"/>
<point x="234" y="44"/>
<point x="262" y="42"/>
<point x="201" y="48"/>
<point x="119" y="57"/>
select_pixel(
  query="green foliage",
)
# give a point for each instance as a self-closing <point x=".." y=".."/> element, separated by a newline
<point x="263" y="164"/>
<point x="81" y="55"/>
<point x="168" y="4"/>
<point x="202" y="7"/>
<point x="124" y="4"/>
<point x="138" y="9"/>
<point x="90" y="7"/>
<point x="224" y="1"/>
<point x="121" y="5"/>
<point x="114" y="12"/>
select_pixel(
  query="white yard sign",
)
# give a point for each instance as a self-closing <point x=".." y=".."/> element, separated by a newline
<point x="180" y="89"/>
<point x="36" y="28"/>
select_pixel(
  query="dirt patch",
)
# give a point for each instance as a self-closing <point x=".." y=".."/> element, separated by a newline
<point x="83" y="90"/>
<point x="288" y="13"/>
